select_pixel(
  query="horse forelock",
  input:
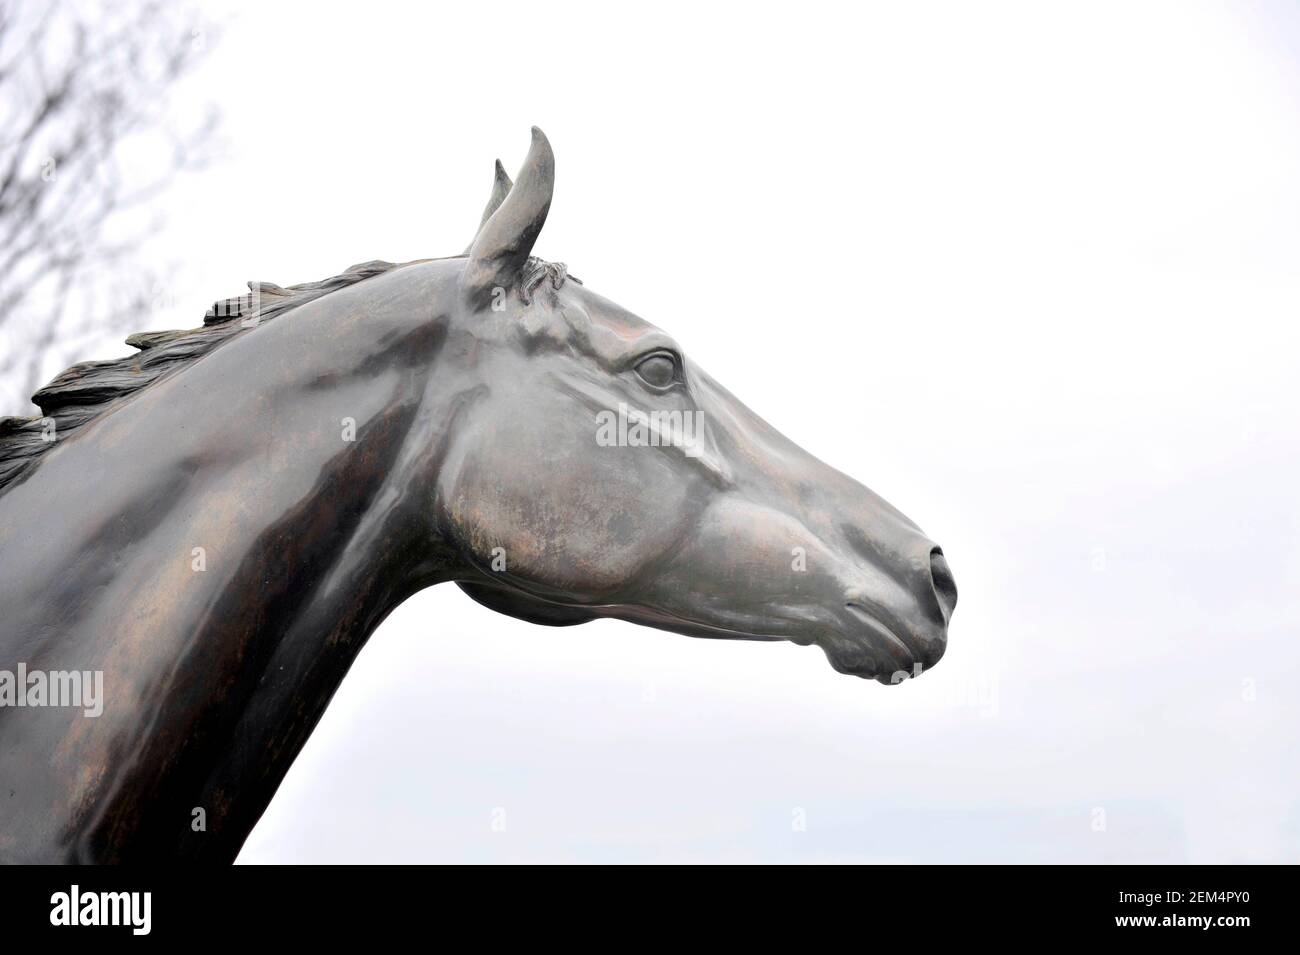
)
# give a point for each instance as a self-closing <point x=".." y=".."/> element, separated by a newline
<point x="538" y="272"/>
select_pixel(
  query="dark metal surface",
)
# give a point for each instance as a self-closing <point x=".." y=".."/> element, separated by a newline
<point x="475" y="384"/>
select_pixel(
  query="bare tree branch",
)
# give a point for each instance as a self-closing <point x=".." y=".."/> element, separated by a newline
<point x="77" y="82"/>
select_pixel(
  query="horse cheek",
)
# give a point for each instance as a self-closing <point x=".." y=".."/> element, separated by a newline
<point x="584" y="524"/>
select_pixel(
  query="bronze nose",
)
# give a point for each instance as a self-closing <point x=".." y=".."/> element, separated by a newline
<point x="945" y="588"/>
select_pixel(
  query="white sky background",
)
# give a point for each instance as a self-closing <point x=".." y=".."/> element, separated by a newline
<point x="1029" y="271"/>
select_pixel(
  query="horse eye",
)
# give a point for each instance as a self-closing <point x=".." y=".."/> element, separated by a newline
<point x="659" y="370"/>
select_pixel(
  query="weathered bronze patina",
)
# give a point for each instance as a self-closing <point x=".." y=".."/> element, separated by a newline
<point x="218" y="523"/>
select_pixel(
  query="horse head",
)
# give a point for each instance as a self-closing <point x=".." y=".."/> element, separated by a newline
<point x="599" y="472"/>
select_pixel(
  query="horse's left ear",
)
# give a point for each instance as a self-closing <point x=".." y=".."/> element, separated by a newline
<point x="500" y="189"/>
<point x="503" y="244"/>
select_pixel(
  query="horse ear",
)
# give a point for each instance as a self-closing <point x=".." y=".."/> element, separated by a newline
<point x="502" y="246"/>
<point x="500" y="189"/>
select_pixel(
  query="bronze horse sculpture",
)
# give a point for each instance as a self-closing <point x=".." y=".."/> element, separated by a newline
<point x="215" y="525"/>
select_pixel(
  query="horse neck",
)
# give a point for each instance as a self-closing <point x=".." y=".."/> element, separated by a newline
<point x="226" y="542"/>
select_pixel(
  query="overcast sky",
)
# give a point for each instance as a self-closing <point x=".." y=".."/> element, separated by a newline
<point x="1050" y="251"/>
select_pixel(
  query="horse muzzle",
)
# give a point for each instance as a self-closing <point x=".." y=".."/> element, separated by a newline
<point x="880" y="639"/>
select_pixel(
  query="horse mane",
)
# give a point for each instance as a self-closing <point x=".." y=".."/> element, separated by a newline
<point x="87" y="390"/>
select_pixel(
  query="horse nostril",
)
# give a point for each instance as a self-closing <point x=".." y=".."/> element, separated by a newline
<point x="945" y="588"/>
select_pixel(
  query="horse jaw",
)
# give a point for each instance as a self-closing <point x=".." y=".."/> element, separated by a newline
<point x="512" y="603"/>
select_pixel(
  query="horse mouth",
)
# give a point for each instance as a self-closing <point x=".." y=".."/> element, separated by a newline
<point x="890" y="660"/>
